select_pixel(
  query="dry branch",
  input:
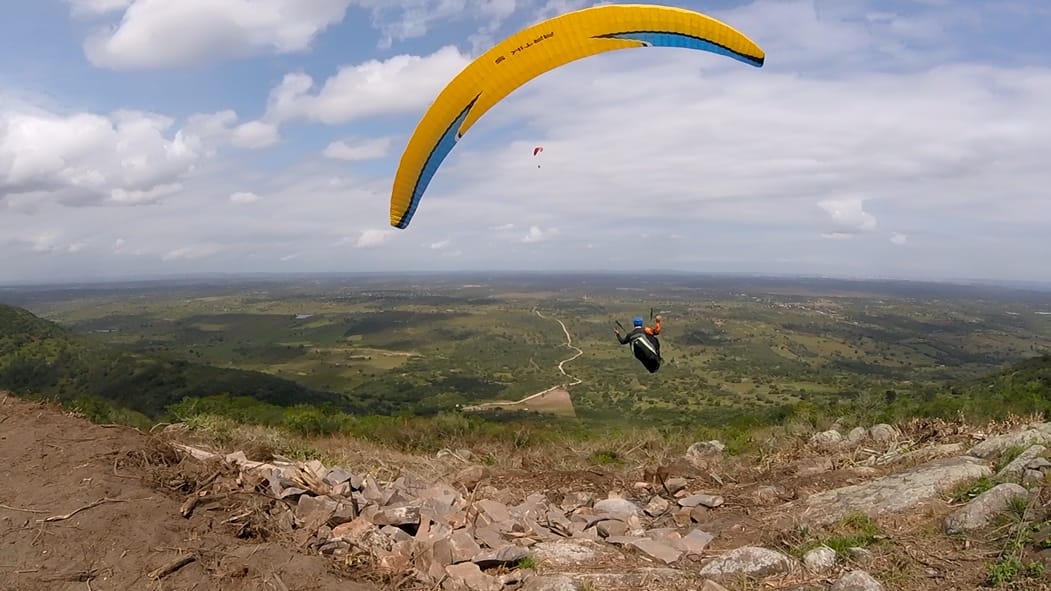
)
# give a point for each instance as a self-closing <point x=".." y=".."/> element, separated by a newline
<point x="84" y="508"/>
<point x="171" y="567"/>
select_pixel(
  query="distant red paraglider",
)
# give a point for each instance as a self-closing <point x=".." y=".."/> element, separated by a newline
<point x="536" y="151"/>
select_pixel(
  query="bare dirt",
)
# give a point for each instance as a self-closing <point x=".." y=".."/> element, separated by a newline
<point x="85" y="506"/>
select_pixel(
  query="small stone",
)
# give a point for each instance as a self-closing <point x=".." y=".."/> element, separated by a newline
<point x="820" y="559"/>
<point x="857" y="435"/>
<point x="681" y="517"/>
<point x="769" y="495"/>
<point x="703" y="453"/>
<point x="675" y="484"/>
<point x="859" y="555"/>
<point x="695" y="542"/>
<point x="883" y="433"/>
<point x="827" y="439"/>
<point x="657" y="506"/>
<point x="1032" y="478"/>
<point x="710" y="501"/>
<point x="471" y="476"/>
<point x="616" y="506"/>
<point x="699" y="514"/>
<point x="658" y="550"/>
<point x="611" y="527"/>
<point x="856" y="580"/>
<point x="748" y="560"/>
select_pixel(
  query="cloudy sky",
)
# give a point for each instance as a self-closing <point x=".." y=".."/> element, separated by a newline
<point x="882" y="138"/>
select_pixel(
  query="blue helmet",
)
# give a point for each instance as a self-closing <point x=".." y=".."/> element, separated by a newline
<point x="638" y="321"/>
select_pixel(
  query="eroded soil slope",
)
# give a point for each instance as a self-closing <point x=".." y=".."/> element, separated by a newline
<point x="81" y="507"/>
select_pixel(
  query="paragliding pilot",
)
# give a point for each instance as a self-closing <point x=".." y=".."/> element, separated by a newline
<point x="644" y="342"/>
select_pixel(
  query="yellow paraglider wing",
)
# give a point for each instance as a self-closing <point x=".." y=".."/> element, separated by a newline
<point x="534" y="51"/>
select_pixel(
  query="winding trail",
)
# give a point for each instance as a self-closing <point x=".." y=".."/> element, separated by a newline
<point x="558" y="392"/>
<point x="569" y="343"/>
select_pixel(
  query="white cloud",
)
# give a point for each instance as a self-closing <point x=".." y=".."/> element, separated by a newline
<point x="899" y="238"/>
<point x="848" y="216"/>
<point x="359" y="149"/>
<point x="536" y="234"/>
<point x="191" y="252"/>
<point x="401" y="84"/>
<point x="372" y="237"/>
<point x="50" y="242"/>
<point x="128" y="157"/>
<point x="255" y="134"/>
<point x="439" y="244"/>
<point x="243" y="197"/>
<point x="163" y="33"/>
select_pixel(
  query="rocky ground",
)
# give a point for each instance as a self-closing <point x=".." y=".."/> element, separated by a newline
<point x="927" y="505"/>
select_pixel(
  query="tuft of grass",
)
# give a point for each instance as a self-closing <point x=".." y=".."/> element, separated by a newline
<point x="605" y="457"/>
<point x="1012" y="564"/>
<point x="967" y="491"/>
<point x="852" y="531"/>
<point x="1010" y="454"/>
<point x="529" y="562"/>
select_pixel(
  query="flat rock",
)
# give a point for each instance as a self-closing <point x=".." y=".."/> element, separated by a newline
<point x="563" y="554"/>
<point x="895" y="492"/>
<point x="1017" y="467"/>
<point x="470" y="576"/>
<point x="980" y="511"/>
<point x="695" y="542"/>
<point x="928" y="453"/>
<point x="995" y="446"/>
<point x="508" y="555"/>
<point x="752" y="561"/>
<point x="658" y="550"/>
<point x="616" y="506"/>
<point x="710" y="501"/>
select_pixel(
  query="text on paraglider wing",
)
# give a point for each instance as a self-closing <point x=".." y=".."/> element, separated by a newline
<point x="527" y="45"/>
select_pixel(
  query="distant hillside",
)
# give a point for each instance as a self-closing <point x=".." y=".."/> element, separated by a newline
<point x="39" y="358"/>
<point x="1020" y="388"/>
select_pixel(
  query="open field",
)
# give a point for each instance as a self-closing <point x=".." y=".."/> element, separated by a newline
<point x="427" y="344"/>
<point x="556" y="400"/>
